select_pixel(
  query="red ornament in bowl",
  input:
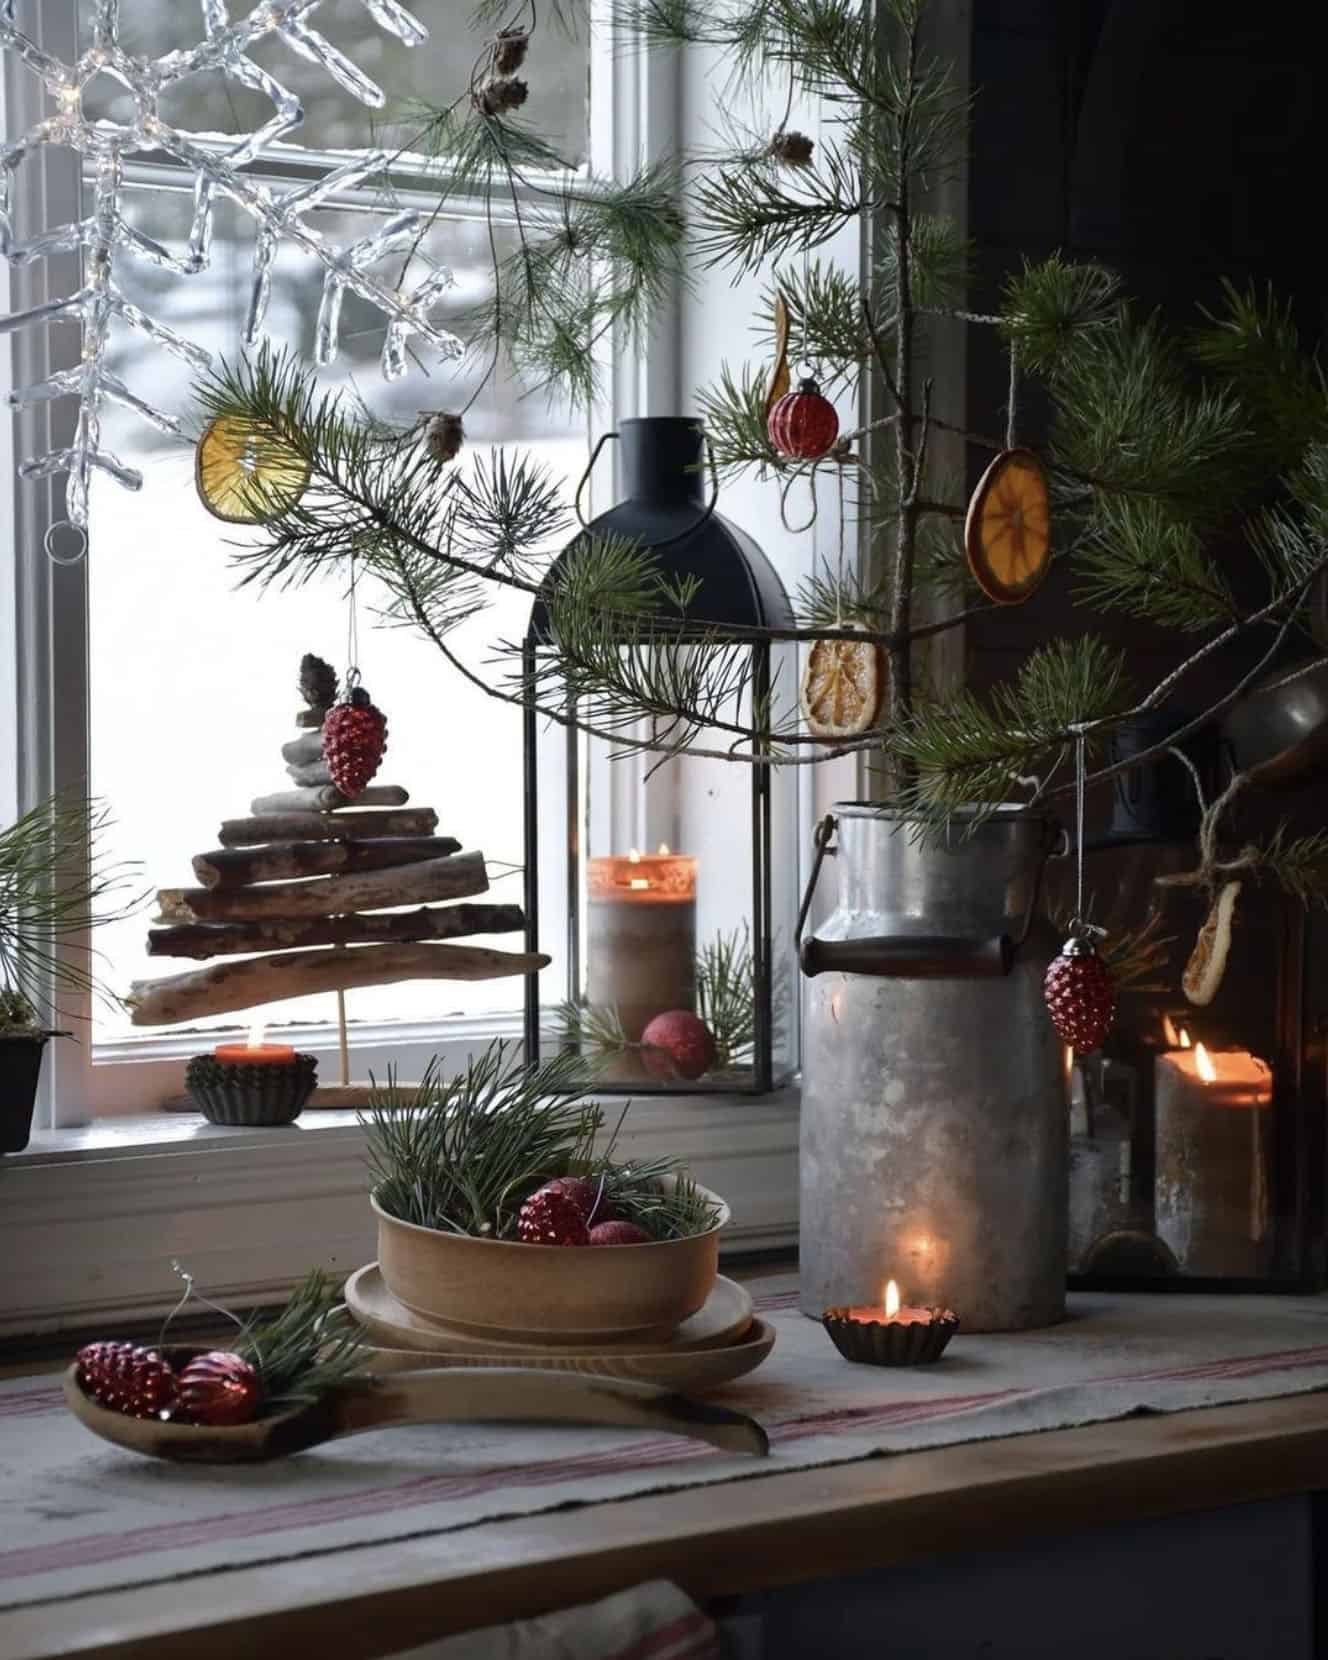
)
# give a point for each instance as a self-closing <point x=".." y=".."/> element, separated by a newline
<point x="618" y="1233"/>
<point x="803" y="424"/>
<point x="552" y="1216"/>
<point x="678" y="1044"/>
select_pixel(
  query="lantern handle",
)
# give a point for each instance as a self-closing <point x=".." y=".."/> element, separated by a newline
<point x="668" y="541"/>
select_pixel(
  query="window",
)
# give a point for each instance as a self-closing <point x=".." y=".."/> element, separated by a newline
<point x="144" y="671"/>
<point x="188" y="679"/>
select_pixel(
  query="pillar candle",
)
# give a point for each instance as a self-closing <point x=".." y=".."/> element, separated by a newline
<point x="1214" y="1153"/>
<point x="641" y="936"/>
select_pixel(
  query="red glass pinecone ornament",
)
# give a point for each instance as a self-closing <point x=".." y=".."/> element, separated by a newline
<point x="1080" y="994"/>
<point x="127" y="1378"/>
<point x="354" y="739"/>
<point x="586" y="1195"/>
<point x="219" y="1388"/>
<point x="803" y="424"/>
<point x="552" y="1217"/>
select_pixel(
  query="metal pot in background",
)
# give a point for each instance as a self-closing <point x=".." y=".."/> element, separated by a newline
<point x="20" y="1072"/>
<point x="934" y="1114"/>
<point x="1279" y="731"/>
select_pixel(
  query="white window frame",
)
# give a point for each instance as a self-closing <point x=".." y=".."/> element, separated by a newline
<point x="276" y="1202"/>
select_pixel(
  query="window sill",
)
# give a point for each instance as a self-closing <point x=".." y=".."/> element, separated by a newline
<point x="95" y="1216"/>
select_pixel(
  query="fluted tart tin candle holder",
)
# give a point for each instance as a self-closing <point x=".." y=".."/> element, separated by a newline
<point x="888" y="1335"/>
<point x="249" y="1095"/>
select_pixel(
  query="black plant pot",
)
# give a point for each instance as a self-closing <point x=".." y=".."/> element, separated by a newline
<point x="20" y="1069"/>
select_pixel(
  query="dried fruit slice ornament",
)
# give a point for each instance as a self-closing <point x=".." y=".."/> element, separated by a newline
<point x="780" y="380"/>
<point x="843" y="687"/>
<point x="1208" y="961"/>
<point x="1007" y="533"/>
<point x="246" y="476"/>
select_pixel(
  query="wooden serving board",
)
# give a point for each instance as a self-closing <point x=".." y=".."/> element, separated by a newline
<point x="693" y="1370"/>
<point x="725" y="1316"/>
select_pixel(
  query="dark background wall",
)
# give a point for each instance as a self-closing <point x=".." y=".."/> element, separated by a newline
<point x="1179" y="142"/>
<point x="1176" y="141"/>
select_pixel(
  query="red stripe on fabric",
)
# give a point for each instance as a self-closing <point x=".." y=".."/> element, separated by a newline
<point x="693" y="1623"/>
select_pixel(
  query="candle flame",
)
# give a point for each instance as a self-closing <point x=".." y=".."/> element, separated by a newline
<point x="634" y="856"/>
<point x="255" y="1038"/>
<point x="1170" y="1033"/>
<point x="1185" y="1038"/>
<point x="891" y="1300"/>
<point x="1203" y="1064"/>
<point x="664" y="849"/>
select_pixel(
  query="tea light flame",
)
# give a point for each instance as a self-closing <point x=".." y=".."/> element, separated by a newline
<point x="1203" y="1064"/>
<point x="664" y="850"/>
<point x="634" y="856"/>
<point x="891" y="1300"/>
<point x="1185" y="1039"/>
<point x="255" y="1038"/>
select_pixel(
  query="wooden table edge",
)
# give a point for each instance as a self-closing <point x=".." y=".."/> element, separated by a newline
<point x="719" y="1540"/>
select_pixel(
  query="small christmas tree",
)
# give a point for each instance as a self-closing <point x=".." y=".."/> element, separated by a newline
<point x="318" y="883"/>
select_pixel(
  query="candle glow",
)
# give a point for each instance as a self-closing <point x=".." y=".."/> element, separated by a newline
<point x="891" y="1300"/>
<point x="1203" y="1064"/>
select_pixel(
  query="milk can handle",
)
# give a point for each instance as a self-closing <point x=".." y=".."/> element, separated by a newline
<point x="908" y="956"/>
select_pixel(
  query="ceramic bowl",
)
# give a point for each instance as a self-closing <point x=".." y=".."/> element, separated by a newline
<point x="548" y="1293"/>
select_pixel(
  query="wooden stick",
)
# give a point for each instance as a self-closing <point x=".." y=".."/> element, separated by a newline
<point x="310" y="717"/>
<point x="229" y="867"/>
<point x="326" y="798"/>
<point x="224" y="987"/>
<point x="326" y="827"/>
<point x="300" y="751"/>
<point x="343" y="1042"/>
<point x="202" y="940"/>
<point x="459" y="877"/>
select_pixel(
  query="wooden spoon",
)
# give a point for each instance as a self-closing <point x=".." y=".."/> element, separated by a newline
<point x="481" y="1395"/>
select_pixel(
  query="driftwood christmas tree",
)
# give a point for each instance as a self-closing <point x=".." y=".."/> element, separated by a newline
<point x="332" y="890"/>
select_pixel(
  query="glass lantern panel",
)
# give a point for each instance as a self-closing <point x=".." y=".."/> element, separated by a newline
<point x="685" y="887"/>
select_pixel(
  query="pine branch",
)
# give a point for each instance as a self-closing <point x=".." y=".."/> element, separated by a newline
<point x="1049" y="306"/>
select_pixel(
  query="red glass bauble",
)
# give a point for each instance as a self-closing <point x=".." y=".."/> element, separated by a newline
<point x="219" y="1388"/>
<point x="618" y="1233"/>
<point x="803" y="424"/>
<point x="678" y="1044"/>
<point x="586" y="1195"/>
<point x="1080" y="994"/>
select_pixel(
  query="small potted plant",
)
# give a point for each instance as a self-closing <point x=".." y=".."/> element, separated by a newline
<point x="54" y="881"/>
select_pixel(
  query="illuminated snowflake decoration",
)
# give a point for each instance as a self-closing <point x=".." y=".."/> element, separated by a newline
<point x="105" y="235"/>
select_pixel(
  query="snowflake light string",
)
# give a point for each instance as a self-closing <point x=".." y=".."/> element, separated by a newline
<point x="105" y="232"/>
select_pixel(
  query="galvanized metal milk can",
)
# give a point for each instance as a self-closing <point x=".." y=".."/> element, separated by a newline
<point x="934" y="1096"/>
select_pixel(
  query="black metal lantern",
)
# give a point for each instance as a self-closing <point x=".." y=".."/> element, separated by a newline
<point x="663" y="885"/>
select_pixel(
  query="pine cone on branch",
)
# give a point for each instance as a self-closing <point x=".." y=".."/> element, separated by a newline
<point x="318" y="682"/>
<point x="791" y="149"/>
<point x="497" y="97"/>
<point x="509" y="51"/>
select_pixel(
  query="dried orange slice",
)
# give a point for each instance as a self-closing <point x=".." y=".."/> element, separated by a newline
<point x="246" y="476"/>
<point x="1007" y="534"/>
<point x="843" y="687"/>
<point x="1208" y="961"/>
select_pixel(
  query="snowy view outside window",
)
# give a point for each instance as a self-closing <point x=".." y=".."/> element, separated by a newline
<point x="193" y="678"/>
